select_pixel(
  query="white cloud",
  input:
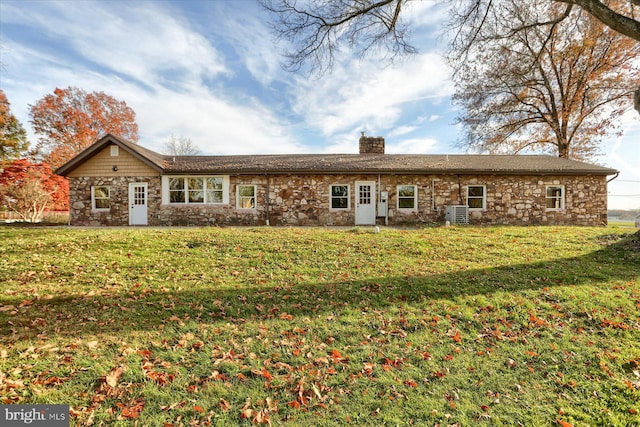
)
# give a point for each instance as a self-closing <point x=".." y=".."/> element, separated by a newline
<point x="252" y="41"/>
<point x="148" y="57"/>
<point x="401" y="130"/>
<point x="412" y="146"/>
<point x="368" y="95"/>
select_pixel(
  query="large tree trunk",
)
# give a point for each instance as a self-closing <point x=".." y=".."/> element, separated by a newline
<point x="563" y="149"/>
<point x="636" y="100"/>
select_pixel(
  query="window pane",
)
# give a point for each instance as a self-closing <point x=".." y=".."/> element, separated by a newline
<point x="339" y="203"/>
<point x="176" y="183"/>
<point x="196" y="196"/>
<point x="246" y="191"/>
<point x="101" y="192"/>
<point x="476" y="191"/>
<point x="102" y="204"/>
<point x="554" y="191"/>
<point x="406" y="191"/>
<point x="196" y="183"/>
<point x="339" y="190"/>
<point x="176" y="196"/>
<point x="405" y="203"/>
<point x="475" y="203"/>
<point x="246" y="203"/>
<point x="214" y="183"/>
<point x="214" y="196"/>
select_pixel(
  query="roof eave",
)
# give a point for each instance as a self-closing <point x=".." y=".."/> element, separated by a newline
<point x="90" y="151"/>
<point x="386" y="172"/>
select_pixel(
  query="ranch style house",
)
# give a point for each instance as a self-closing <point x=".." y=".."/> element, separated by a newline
<point x="117" y="183"/>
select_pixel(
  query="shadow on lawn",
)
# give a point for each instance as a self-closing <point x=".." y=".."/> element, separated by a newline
<point x="81" y="315"/>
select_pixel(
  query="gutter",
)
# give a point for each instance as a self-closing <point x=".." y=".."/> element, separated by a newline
<point x="615" y="176"/>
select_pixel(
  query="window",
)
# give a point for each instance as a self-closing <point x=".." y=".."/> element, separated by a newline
<point x="477" y="197"/>
<point x="339" y="197"/>
<point x="177" y="190"/>
<point x="196" y="190"/>
<point x="407" y="197"/>
<point x="246" y="197"/>
<point x="555" y="197"/>
<point x="100" y="198"/>
<point x="215" y="190"/>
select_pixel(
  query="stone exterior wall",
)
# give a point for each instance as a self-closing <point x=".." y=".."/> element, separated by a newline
<point x="305" y="200"/>
<point x="81" y="212"/>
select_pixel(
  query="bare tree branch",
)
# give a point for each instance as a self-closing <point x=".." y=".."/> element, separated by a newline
<point x="617" y="21"/>
<point x="319" y="29"/>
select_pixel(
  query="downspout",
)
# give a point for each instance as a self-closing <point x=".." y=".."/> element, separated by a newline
<point x="433" y="193"/>
<point x="608" y="181"/>
<point x="267" y="200"/>
<point x="459" y="190"/>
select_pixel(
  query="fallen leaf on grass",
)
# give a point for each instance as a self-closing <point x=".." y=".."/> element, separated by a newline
<point x="564" y="423"/>
<point x="224" y="405"/>
<point x="114" y="376"/>
<point x="130" y="412"/>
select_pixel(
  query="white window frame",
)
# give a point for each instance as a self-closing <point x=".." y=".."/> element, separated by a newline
<point x="94" y="198"/>
<point x="166" y="191"/>
<point x="332" y="197"/>
<point x="415" y="198"/>
<point x="114" y="151"/>
<point x="254" y="197"/>
<point x="558" y="198"/>
<point x="484" y="198"/>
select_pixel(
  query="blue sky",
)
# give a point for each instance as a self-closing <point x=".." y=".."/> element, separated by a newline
<point x="209" y="70"/>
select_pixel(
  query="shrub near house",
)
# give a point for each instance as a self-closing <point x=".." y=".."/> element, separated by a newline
<point x="116" y="182"/>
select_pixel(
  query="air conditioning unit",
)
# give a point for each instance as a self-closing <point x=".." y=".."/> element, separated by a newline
<point x="457" y="214"/>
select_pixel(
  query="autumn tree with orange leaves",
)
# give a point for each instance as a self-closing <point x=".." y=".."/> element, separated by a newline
<point x="30" y="189"/>
<point x="559" y="91"/>
<point x="69" y="120"/>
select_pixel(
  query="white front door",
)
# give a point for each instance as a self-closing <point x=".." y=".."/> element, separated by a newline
<point x="138" y="203"/>
<point x="365" y="203"/>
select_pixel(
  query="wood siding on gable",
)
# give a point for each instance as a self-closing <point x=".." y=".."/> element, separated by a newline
<point x="101" y="165"/>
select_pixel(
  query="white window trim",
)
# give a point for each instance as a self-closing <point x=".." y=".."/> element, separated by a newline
<point x="415" y="198"/>
<point x="255" y="197"/>
<point x="562" y="197"/>
<point x="93" y="198"/>
<point x="484" y="197"/>
<point x="114" y="151"/>
<point x="331" y="197"/>
<point x="166" y="199"/>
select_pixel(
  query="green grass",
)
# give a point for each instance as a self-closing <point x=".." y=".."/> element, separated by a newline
<point x="497" y="326"/>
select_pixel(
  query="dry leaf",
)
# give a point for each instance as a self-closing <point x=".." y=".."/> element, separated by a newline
<point x="114" y="376"/>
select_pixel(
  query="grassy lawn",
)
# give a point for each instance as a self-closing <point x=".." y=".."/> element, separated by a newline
<point x="497" y="326"/>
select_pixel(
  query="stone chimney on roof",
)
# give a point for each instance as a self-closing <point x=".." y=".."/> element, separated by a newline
<point x="371" y="144"/>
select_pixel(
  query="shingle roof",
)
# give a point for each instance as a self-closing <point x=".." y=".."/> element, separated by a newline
<point x="383" y="163"/>
<point x="348" y="163"/>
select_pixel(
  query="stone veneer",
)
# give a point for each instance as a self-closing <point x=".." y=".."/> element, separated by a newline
<point x="304" y="200"/>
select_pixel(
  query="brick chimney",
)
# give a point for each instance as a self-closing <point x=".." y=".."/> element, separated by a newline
<point x="371" y="144"/>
